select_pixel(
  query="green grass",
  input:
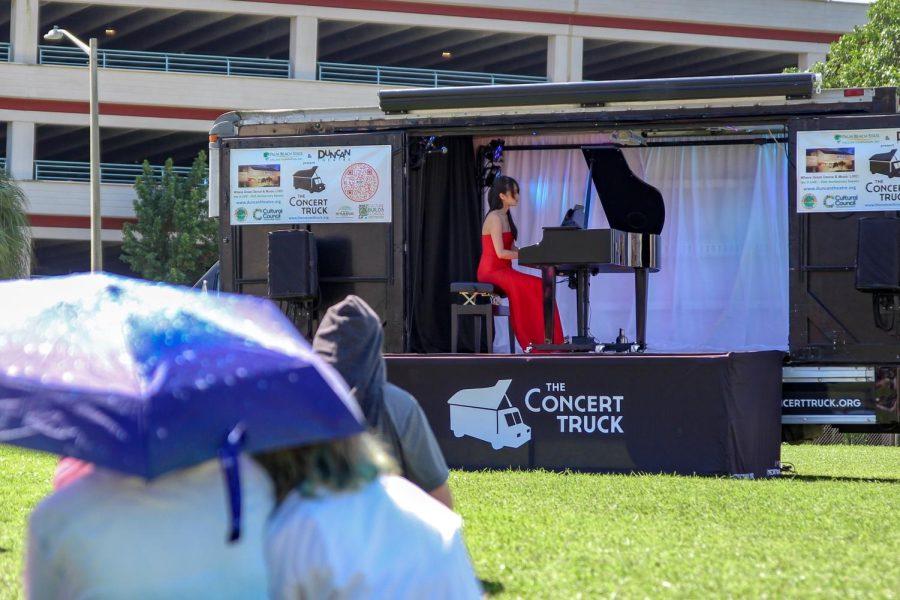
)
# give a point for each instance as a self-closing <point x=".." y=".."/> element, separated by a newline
<point x="831" y="529"/>
<point x="24" y="480"/>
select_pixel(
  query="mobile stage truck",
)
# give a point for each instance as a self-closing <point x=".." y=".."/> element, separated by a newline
<point x="773" y="297"/>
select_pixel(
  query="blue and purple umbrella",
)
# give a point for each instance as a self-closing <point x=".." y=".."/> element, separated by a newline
<point x="148" y="378"/>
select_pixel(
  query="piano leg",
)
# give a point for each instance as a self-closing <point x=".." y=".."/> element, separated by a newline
<point x="548" y="280"/>
<point x="640" y="301"/>
<point x="583" y="305"/>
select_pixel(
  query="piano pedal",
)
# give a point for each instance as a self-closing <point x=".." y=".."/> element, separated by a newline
<point x="626" y="347"/>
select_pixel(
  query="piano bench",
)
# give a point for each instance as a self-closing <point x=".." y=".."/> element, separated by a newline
<point x="479" y="300"/>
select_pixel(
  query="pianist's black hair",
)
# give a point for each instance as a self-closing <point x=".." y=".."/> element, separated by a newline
<point x="503" y="185"/>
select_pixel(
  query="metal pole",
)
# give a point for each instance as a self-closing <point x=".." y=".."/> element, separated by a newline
<point x="96" y="240"/>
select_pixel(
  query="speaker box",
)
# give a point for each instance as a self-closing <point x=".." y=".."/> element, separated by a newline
<point x="878" y="255"/>
<point x="293" y="267"/>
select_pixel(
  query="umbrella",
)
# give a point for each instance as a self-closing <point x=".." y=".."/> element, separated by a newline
<point x="147" y="378"/>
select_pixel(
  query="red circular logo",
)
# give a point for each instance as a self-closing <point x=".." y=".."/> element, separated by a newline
<point x="359" y="182"/>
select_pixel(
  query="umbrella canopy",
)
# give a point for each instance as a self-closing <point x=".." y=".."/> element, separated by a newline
<point x="147" y="378"/>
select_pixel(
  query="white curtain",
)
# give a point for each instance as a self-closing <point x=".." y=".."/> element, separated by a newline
<point x="723" y="283"/>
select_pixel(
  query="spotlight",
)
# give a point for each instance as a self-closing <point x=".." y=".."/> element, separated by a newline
<point x="109" y="31"/>
<point x="497" y="150"/>
<point x="430" y="148"/>
<point x="446" y="54"/>
<point x="490" y="159"/>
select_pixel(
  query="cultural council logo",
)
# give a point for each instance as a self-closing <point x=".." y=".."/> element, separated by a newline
<point x="241" y="214"/>
<point x="839" y="201"/>
<point x="266" y="214"/>
<point x="809" y="200"/>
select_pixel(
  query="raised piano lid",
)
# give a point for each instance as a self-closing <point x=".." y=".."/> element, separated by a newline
<point x="630" y="204"/>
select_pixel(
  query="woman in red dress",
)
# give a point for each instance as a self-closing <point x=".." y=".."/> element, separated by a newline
<point x="498" y="249"/>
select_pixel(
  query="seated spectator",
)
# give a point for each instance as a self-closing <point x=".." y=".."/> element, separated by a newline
<point x="110" y="535"/>
<point x="344" y="528"/>
<point x="350" y="338"/>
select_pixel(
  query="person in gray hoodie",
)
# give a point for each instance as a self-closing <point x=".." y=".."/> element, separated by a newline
<point x="350" y="338"/>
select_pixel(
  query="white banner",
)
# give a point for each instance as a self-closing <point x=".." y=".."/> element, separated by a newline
<point x="333" y="184"/>
<point x="852" y="170"/>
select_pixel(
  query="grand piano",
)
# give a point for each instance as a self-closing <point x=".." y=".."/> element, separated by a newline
<point x="636" y="214"/>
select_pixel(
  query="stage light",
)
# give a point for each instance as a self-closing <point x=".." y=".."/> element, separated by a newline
<point x="430" y="148"/>
<point x="109" y="31"/>
<point x="595" y="93"/>
<point x="446" y="54"/>
<point x="497" y="148"/>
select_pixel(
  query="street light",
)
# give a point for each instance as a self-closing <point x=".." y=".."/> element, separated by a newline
<point x="90" y="49"/>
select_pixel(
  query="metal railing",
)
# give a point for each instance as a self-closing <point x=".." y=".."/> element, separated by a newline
<point x="167" y="62"/>
<point x="270" y="67"/>
<point x="4" y="51"/>
<point x="375" y="74"/>
<point x="61" y="170"/>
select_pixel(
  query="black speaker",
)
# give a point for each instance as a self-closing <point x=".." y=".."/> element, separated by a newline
<point x="878" y="255"/>
<point x="293" y="266"/>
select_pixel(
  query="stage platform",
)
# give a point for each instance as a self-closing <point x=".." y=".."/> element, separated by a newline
<point x="705" y="414"/>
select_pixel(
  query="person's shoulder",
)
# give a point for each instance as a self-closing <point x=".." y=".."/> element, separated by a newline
<point x="85" y="495"/>
<point x="412" y="499"/>
<point x="396" y="395"/>
<point x="400" y="404"/>
<point x="493" y="216"/>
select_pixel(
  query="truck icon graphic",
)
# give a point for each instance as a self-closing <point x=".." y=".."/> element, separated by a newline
<point x="885" y="163"/>
<point x="488" y="415"/>
<point x="306" y="179"/>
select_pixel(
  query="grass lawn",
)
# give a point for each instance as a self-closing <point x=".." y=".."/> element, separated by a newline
<point x="24" y="480"/>
<point x="831" y="529"/>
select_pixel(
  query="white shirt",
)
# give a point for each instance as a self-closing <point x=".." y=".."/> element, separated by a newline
<point x="109" y="535"/>
<point x="388" y="540"/>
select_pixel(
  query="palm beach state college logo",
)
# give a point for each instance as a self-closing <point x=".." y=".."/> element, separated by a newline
<point x="809" y="201"/>
<point x="241" y="214"/>
<point x="487" y="414"/>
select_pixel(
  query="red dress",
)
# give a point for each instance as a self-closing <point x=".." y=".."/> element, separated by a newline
<point x="525" y="293"/>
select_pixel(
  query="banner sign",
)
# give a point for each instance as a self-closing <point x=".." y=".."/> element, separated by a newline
<point x="688" y="414"/>
<point x="331" y="184"/>
<point x="852" y="170"/>
<point x="879" y="400"/>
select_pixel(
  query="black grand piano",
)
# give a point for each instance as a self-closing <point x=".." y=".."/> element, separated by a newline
<point x="636" y="213"/>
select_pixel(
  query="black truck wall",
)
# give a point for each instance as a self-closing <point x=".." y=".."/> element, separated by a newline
<point x="366" y="259"/>
<point x="832" y="321"/>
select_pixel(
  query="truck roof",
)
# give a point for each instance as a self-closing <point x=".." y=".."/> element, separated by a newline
<point x="469" y="109"/>
<point x="487" y="398"/>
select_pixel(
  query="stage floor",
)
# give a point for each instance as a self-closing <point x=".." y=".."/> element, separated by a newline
<point x="707" y="414"/>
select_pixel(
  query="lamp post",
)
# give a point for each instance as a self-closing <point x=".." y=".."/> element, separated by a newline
<point x="91" y="50"/>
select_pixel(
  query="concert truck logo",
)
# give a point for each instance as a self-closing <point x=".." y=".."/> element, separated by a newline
<point x="487" y="414"/>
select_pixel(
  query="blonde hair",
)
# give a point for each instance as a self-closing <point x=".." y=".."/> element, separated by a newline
<point x="337" y="465"/>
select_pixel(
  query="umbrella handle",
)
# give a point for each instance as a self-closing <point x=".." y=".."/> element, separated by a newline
<point x="228" y="457"/>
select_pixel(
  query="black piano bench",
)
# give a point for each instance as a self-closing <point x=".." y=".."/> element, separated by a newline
<point x="479" y="300"/>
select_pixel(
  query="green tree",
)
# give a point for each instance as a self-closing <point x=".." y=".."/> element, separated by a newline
<point x="15" y="243"/>
<point x="868" y="56"/>
<point x="173" y="240"/>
